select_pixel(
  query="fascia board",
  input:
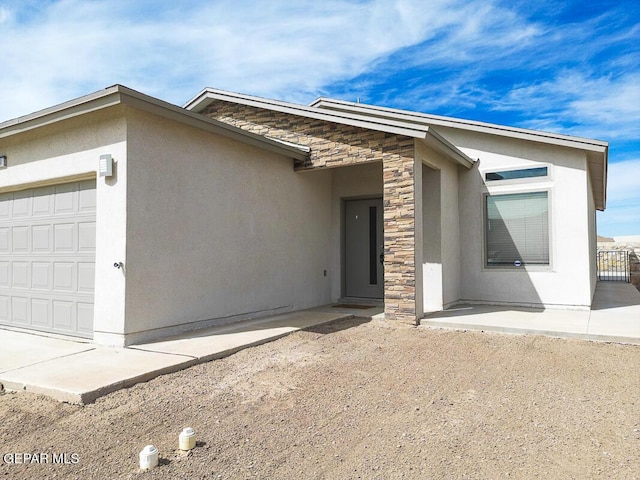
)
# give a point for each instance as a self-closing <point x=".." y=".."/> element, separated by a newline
<point x="73" y="108"/>
<point x="597" y="147"/>
<point x="158" y="107"/>
<point x="396" y="127"/>
<point x="121" y="95"/>
<point x="424" y="133"/>
<point x="482" y="127"/>
<point x="441" y="144"/>
<point x="199" y="102"/>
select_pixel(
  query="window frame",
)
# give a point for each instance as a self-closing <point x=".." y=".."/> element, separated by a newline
<point x="512" y="181"/>
<point x="525" y="267"/>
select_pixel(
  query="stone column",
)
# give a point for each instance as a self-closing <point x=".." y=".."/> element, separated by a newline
<point x="399" y="196"/>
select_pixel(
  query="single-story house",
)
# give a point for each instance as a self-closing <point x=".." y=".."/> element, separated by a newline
<point x="124" y="218"/>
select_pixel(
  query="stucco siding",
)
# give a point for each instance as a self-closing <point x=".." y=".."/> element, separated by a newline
<point x="60" y="151"/>
<point x="218" y="230"/>
<point x="593" y="239"/>
<point x="566" y="281"/>
<point x="441" y="230"/>
<point x="336" y="145"/>
<point x="68" y="151"/>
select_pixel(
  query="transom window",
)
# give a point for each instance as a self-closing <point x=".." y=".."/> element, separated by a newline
<point x="517" y="229"/>
<point x="515" y="174"/>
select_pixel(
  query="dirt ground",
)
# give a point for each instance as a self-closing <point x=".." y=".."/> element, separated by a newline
<point x="355" y="400"/>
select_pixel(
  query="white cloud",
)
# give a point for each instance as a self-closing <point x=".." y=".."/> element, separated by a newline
<point x="5" y="14"/>
<point x="289" y="50"/>
<point x="596" y="107"/>
<point x="281" y="48"/>
<point x="463" y="53"/>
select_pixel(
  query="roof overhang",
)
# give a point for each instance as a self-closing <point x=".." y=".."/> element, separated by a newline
<point x="596" y="150"/>
<point x="121" y="95"/>
<point x="449" y="150"/>
<point x="424" y="132"/>
<point x="417" y="119"/>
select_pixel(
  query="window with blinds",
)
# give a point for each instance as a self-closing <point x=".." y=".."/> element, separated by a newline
<point x="517" y="229"/>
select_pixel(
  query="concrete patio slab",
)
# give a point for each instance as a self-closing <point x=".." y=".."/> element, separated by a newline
<point x="615" y="317"/>
<point x="511" y="320"/>
<point x="616" y="311"/>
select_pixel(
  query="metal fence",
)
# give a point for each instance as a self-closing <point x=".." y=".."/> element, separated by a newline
<point x="614" y="266"/>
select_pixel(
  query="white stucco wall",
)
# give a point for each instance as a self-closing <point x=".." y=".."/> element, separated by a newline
<point x="441" y="230"/>
<point x="567" y="281"/>
<point x="355" y="181"/>
<point x="218" y="231"/>
<point x="67" y="151"/>
<point x="593" y="240"/>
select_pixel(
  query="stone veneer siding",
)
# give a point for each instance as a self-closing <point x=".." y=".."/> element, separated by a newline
<point x="336" y="145"/>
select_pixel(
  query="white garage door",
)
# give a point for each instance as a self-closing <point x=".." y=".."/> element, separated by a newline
<point x="47" y="258"/>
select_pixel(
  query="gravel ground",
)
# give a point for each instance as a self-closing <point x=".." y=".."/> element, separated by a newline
<point x="354" y="400"/>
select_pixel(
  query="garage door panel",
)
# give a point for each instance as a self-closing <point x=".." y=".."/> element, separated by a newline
<point x="86" y="277"/>
<point x="21" y="204"/>
<point x="5" y="277"/>
<point x="63" y="238"/>
<point x="20" y="239"/>
<point x="41" y="276"/>
<point x="19" y="310"/>
<point x="87" y="199"/>
<point x="41" y="238"/>
<point x="5" y="205"/>
<point x="85" y="317"/>
<point x="42" y="203"/>
<point x="41" y="312"/>
<point x="87" y="236"/>
<point x="5" y="245"/>
<point x="20" y="275"/>
<point x="5" y="310"/>
<point x="64" y="199"/>
<point x="47" y="258"/>
<point x="63" y="276"/>
<point x="63" y="316"/>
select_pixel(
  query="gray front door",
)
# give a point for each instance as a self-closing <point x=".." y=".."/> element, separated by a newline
<point x="364" y="241"/>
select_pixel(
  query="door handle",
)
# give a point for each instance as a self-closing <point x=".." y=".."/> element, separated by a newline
<point x="382" y="259"/>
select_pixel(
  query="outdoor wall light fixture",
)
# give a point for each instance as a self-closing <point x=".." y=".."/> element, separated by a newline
<point x="105" y="167"/>
<point x="3" y="161"/>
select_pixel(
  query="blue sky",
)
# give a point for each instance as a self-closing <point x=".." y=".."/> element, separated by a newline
<point x="569" y="67"/>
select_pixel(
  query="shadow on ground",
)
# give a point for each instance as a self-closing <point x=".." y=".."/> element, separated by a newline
<point x="337" y="325"/>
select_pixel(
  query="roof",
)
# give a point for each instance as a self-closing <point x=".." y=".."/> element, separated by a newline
<point x="417" y="118"/>
<point x="597" y="150"/>
<point x="121" y="95"/>
<point x="422" y="132"/>
<point x="421" y="126"/>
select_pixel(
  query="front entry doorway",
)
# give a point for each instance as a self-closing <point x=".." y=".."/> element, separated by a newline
<point x="364" y="243"/>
